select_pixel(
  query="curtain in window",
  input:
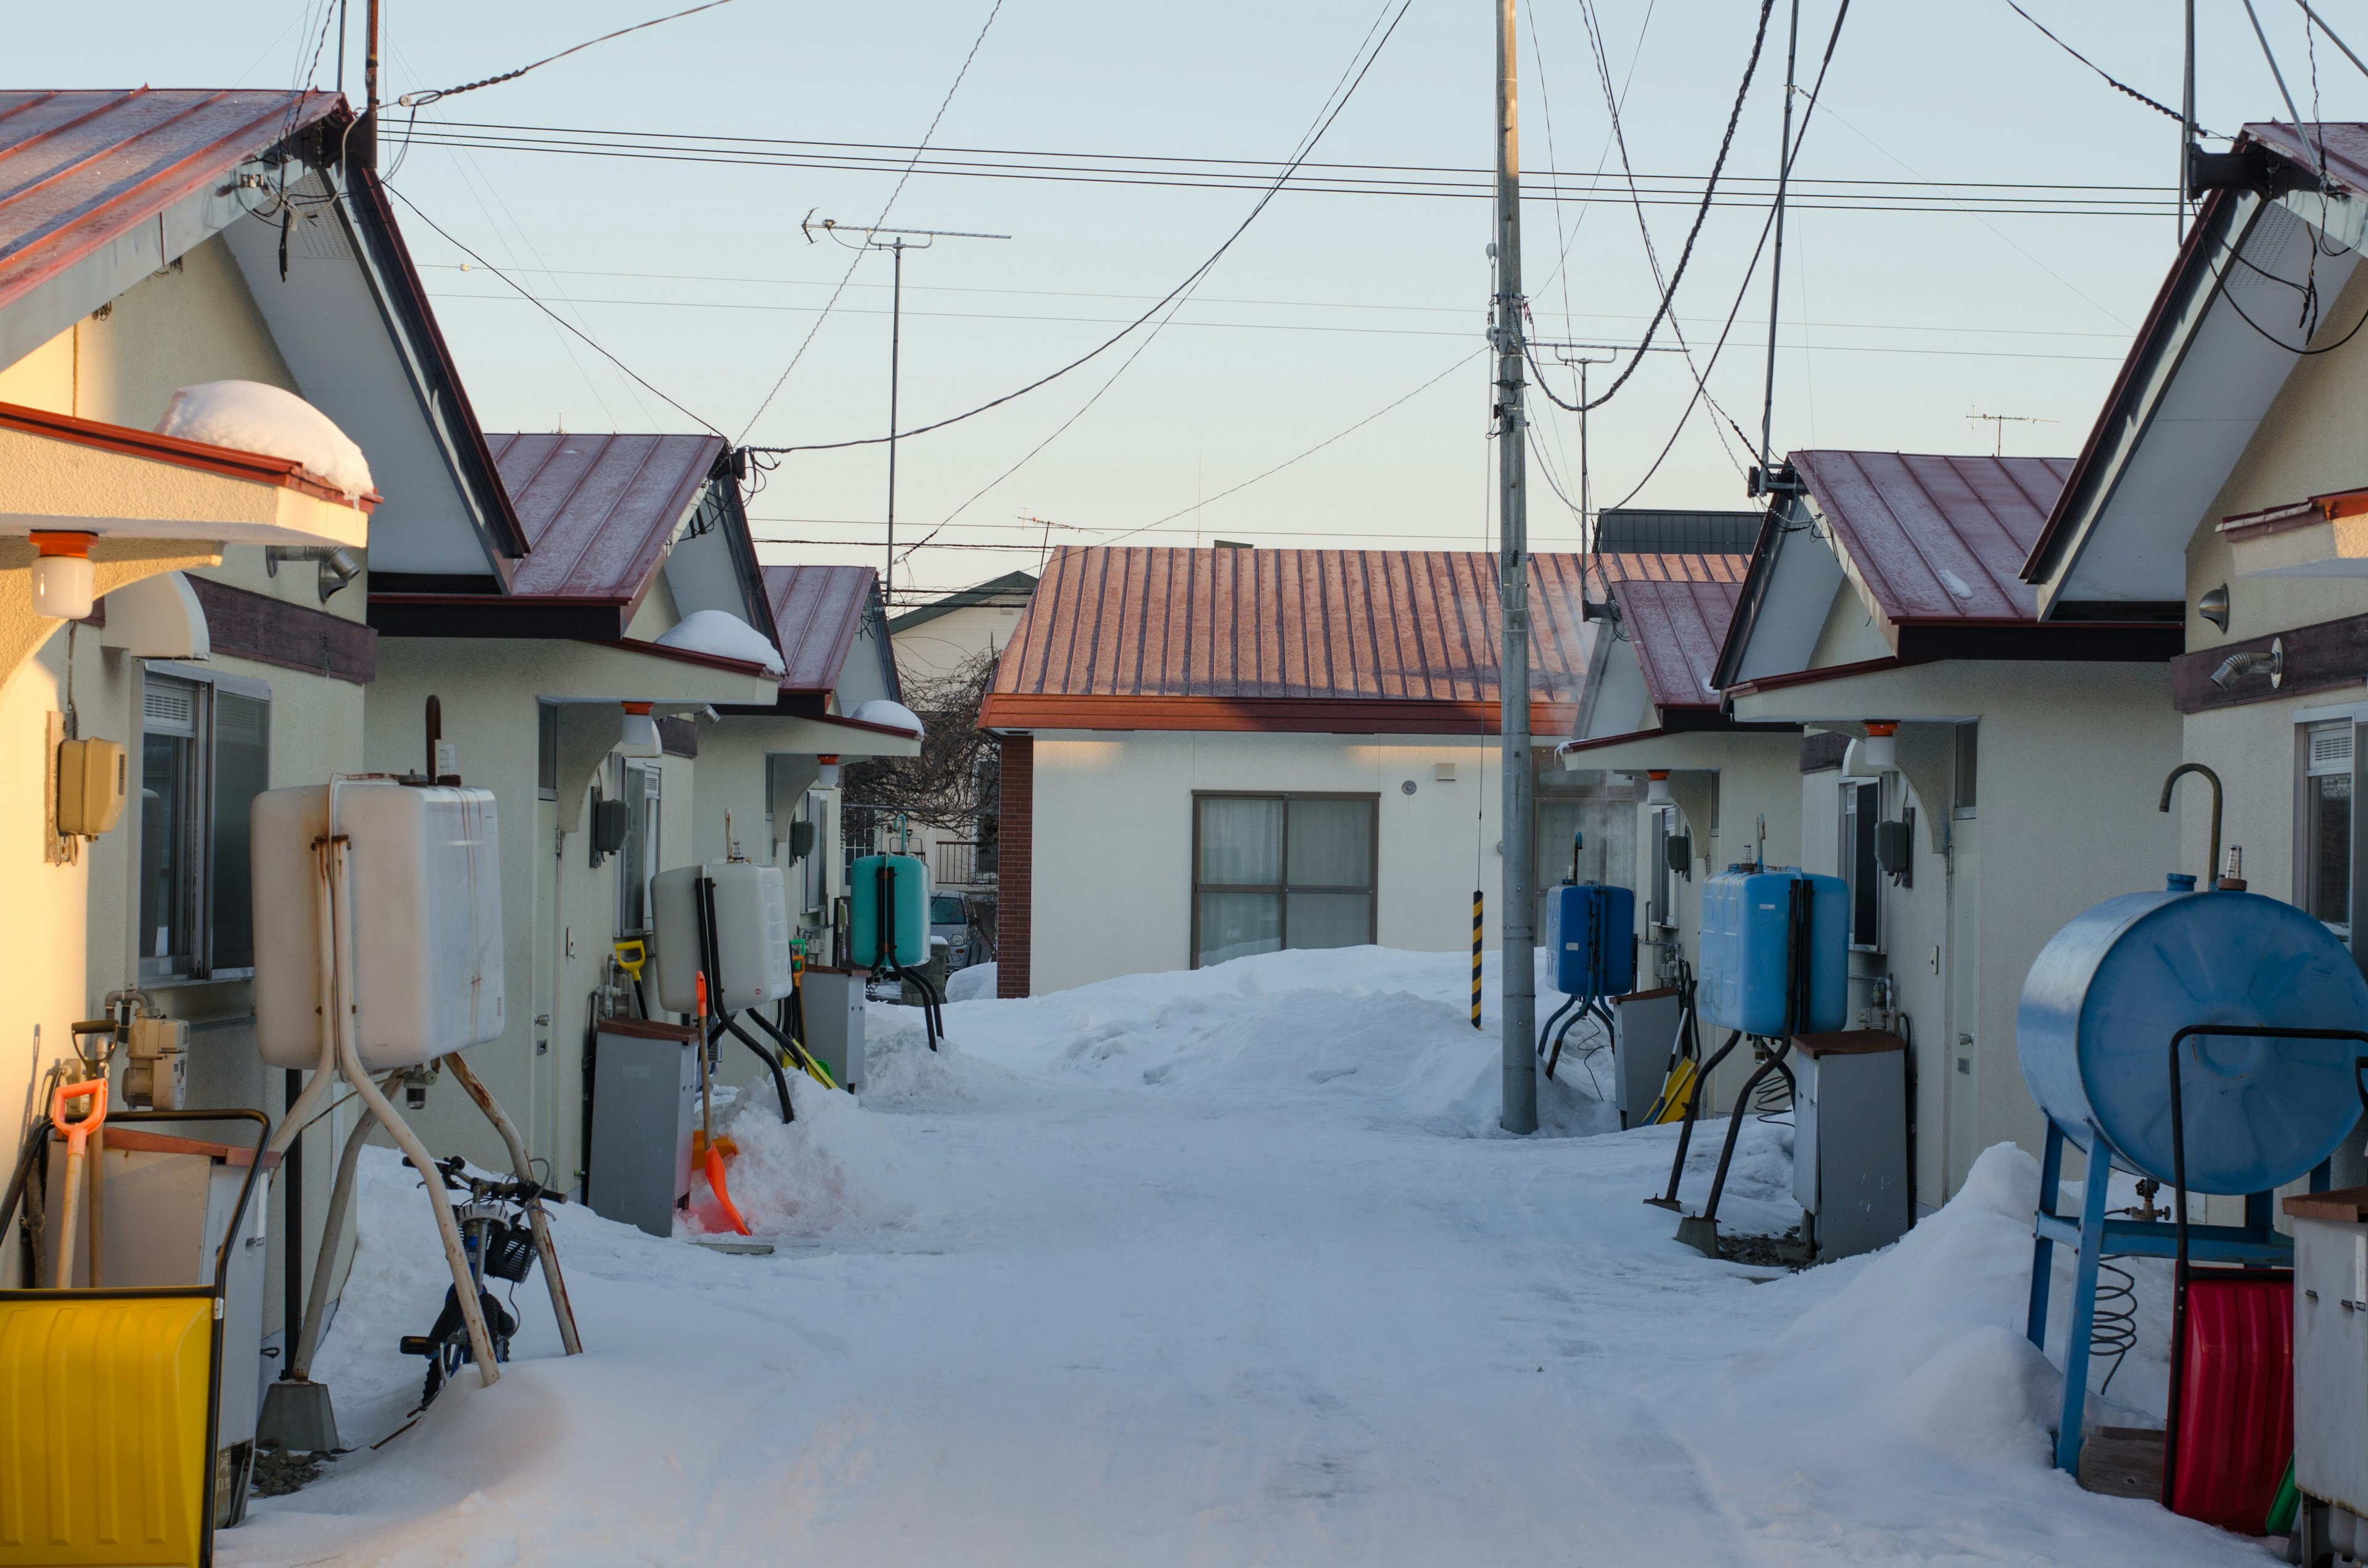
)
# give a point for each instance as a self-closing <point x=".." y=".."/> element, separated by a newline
<point x="1331" y="848"/>
<point x="1241" y="842"/>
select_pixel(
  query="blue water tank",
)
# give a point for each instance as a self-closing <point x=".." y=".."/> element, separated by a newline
<point x="2107" y="992"/>
<point x="1746" y="950"/>
<point x="906" y="882"/>
<point x="1591" y="931"/>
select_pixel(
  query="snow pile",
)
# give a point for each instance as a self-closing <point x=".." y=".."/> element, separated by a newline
<point x="974" y="984"/>
<point x="252" y="417"/>
<point x="834" y="1166"/>
<point x="900" y="1070"/>
<point x="722" y="635"/>
<point x="894" y="715"/>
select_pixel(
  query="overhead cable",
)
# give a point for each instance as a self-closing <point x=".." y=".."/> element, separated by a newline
<point x="2330" y="36"/>
<point x="1669" y="294"/>
<point x="856" y="260"/>
<point x="2111" y="81"/>
<point x="1192" y="277"/>
<point x="546" y="310"/>
<point x="421" y="100"/>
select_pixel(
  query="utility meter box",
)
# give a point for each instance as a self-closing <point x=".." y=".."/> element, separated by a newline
<point x="1850" y="1139"/>
<point x="2330" y="1353"/>
<point x="904" y="882"/>
<point x="156" y="1067"/>
<point x="1748" y="962"/>
<point x="1591" y="931"/>
<point x="92" y="778"/>
<point x="426" y="908"/>
<point x="832" y="1000"/>
<point x="1641" y="1044"/>
<point x="752" y="936"/>
<point x="645" y="1107"/>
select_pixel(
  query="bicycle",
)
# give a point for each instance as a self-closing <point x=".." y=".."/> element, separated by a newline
<point x="500" y="1243"/>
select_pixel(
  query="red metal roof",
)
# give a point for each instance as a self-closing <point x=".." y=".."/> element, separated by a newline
<point x="817" y="611"/>
<point x="1937" y="538"/>
<point x="1676" y="610"/>
<point x="79" y="169"/>
<point x="599" y="510"/>
<point x="1130" y="638"/>
<point x="2344" y="143"/>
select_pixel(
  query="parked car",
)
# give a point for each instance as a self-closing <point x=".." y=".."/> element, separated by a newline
<point x="949" y="916"/>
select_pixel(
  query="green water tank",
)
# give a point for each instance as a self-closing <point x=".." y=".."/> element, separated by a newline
<point x="906" y="886"/>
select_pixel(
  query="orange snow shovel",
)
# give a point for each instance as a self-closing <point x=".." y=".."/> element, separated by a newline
<point x="705" y="1146"/>
<point x="78" y="1135"/>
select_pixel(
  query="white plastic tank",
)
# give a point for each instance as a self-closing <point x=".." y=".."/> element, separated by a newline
<point x="426" y="870"/>
<point x="752" y="936"/>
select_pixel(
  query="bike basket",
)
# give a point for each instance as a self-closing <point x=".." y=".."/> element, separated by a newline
<point x="509" y="1252"/>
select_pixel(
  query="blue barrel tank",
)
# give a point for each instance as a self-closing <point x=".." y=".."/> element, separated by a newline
<point x="1591" y="931"/>
<point x="1747" y="953"/>
<point x="907" y="886"/>
<point x="2107" y="992"/>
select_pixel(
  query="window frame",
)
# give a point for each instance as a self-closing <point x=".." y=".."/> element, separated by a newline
<point x="195" y="889"/>
<point x="2306" y="825"/>
<point x="1661" y="902"/>
<point x="645" y="836"/>
<point x="1855" y="853"/>
<point x="1283" y="889"/>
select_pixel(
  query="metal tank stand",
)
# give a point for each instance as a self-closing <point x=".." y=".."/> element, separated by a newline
<point x="2096" y="1236"/>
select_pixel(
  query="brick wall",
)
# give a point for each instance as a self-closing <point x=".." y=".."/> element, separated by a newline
<point x="1015" y="891"/>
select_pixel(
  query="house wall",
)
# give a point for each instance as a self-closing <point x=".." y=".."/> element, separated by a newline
<point x="941" y="644"/>
<point x="1113" y="873"/>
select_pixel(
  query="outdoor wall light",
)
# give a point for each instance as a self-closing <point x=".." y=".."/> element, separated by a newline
<point x="641" y="731"/>
<point x="1656" y="786"/>
<point x="62" y="575"/>
<point x="1881" y="748"/>
<point x="827" y="778"/>
<point x="2213" y="606"/>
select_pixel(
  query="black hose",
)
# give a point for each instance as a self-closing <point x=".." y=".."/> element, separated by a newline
<point x="725" y="1023"/>
<point x="291" y="1217"/>
<point x="1693" y="1113"/>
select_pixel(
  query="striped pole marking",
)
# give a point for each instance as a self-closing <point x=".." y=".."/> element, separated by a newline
<point x="1478" y="895"/>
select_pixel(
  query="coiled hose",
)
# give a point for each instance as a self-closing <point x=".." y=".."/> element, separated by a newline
<point x="2114" y="1331"/>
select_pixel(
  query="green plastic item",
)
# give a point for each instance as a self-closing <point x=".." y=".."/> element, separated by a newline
<point x="909" y="937"/>
<point x="2284" y="1507"/>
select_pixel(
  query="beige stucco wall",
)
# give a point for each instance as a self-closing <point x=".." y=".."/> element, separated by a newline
<point x="940" y="644"/>
<point x="1113" y="828"/>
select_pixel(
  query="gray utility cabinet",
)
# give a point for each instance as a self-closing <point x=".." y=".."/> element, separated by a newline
<point x="2330" y="1358"/>
<point x="833" y="1003"/>
<point x="1647" y="1030"/>
<point x="168" y="1204"/>
<point x="1850" y="1139"/>
<point x="645" y="1109"/>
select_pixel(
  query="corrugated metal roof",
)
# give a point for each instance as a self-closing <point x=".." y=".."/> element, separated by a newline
<point x="1322" y="625"/>
<point x="818" y="610"/>
<point x="1677" y="621"/>
<point x="599" y="510"/>
<point x="1660" y="528"/>
<point x="79" y="169"/>
<point x="2344" y="143"/>
<point x="1937" y="538"/>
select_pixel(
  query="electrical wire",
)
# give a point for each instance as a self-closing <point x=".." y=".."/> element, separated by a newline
<point x="943" y="104"/>
<point x="2118" y="86"/>
<point x="2330" y="36"/>
<point x="1194" y="277"/>
<point x="421" y="100"/>
<point x="1669" y="294"/>
<point x="546" y="310"/>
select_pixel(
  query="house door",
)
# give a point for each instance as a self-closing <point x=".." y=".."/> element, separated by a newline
<point x="1963" y="1096"/>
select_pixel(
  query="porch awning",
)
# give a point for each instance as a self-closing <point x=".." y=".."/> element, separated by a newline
<point x="2326" y="536"/>
<point x="64" y="474"/>
<point x="828" y="736"/>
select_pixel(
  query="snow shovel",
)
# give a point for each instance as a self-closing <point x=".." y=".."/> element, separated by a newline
<point x="78" y="1135"/>
<point x="709" y="1149"/>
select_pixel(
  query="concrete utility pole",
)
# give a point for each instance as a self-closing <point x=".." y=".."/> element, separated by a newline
<point x="1519" y="907"/>
<point x="1776" y="261"/>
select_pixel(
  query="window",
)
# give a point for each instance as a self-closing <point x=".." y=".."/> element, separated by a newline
<point x="1275" y="871"/>
<point x="946" y="909"/>
<point x="546" y="751"/>
<point x="1969" y="737"/>
<point x="639" y="861"/>
<point x="2327" y="825"/>
<point x="205" y="753"/>
<point x="1861" y="809"/>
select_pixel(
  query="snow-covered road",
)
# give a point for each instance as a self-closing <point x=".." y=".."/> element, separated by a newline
<point x="1220" y="1268"/>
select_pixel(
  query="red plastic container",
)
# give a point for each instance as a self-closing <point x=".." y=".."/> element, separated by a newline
<point x="2232" y="1424"/>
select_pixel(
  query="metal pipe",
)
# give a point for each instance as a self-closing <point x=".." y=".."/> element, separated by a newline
<point x="2210" y="867"/>
<point x="523" y="1168"/>
<point x="1776" y="260"/>
<point x="333" y="1234"/>
<point x="464" y="1287"/>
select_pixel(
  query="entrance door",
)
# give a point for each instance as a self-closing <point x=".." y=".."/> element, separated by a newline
<point x="1963" y="1097"/>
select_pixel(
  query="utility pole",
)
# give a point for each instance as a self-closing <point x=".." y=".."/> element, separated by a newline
<point x="1519" y="913"/>
<point x="898" y="242"/>
<point x="2187" y="125"/>
<point x="1776" y="261"/>
<point x="367" y="132"/>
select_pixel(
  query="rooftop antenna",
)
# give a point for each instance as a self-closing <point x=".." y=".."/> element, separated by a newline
<point x="1582" y="354"/>
<point x="1767" y="480"/>
<point x="895" y="241"/>
<point x="2001" y="421"/>
<point x="2187" y="127"/>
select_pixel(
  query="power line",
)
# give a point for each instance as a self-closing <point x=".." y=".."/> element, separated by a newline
<point x="421" y="100"/>
<point x="2111" y="81"/>
<point x="943" y="104"/>
<point x="546" y="310"/>
<point x="1194" y="277"/>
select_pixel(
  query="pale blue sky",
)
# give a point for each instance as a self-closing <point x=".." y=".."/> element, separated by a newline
<point x="1898" y="325"/>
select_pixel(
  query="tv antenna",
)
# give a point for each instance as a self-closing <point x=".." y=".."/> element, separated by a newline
<point x="2001" y="421"/>
<point x="897" y="241"/>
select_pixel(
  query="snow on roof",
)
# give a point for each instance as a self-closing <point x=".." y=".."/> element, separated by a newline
<point x="250" y="416"/>
<point x="726" y="636"/>
<point x="880" y="710"/>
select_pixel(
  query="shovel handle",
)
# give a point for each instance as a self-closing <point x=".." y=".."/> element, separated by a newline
<point x="77" y="1133"/>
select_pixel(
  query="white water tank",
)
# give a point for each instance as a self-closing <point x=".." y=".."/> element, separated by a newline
<point x="752" y="936"/>
<point x="426" y="868"/>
